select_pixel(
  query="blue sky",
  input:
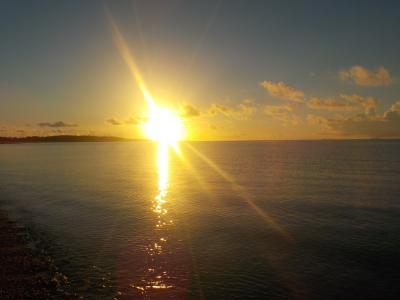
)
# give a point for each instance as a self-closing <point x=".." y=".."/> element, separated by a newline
<point x="59" y="63"/>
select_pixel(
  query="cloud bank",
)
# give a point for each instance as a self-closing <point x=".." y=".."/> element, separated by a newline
<point x="364" y="77"/>
<point x="242" y="111"/>
<point x="368" y="103"/>
<point x="283" y="113"/>
<point x="283" y="91"/>
<point x="113" y="121"/>
<point x="329" y="104"/>
<point x="59" y="124"/>
<point x="130" y="121"/>
<point x="386" y="125"/>
<point x="189" y="111"/>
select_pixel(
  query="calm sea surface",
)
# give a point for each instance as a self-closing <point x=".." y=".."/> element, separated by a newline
<point x="220" y="220"/>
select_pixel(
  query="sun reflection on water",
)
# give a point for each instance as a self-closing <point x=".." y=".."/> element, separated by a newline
<point x="162" y="167"/>
<point x="157" y="275"/>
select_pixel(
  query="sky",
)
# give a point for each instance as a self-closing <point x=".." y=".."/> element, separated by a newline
<point x="233" y="70"/>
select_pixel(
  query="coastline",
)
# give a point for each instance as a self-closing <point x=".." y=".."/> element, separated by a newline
<point x="61" y="139"/>
<point x="103" y="139"/>
<point x="24" y="274"/>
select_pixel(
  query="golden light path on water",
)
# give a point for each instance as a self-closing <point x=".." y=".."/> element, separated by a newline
<point x="166" y="128"/>
<point x="162" y="165"/>
<point x="157" y="276"/>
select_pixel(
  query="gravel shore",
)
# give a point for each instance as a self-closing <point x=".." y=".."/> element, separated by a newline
<point x="25" y="275"/>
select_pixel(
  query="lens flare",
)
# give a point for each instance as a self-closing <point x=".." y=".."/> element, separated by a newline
<point x="164" y="125"/>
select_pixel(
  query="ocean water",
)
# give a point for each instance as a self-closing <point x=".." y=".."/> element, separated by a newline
<point x="215" y="220"/>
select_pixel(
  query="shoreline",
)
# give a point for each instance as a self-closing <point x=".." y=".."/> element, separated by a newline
<point x="25" y="274"/>
<point x="95" y="139"/>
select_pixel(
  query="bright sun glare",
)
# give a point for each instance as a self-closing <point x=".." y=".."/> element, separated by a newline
<point x="164" y="126"/>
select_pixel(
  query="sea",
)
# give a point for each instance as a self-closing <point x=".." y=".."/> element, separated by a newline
<point x="212" y="220"/>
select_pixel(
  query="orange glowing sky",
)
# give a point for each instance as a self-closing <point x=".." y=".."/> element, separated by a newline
<point x="230" y="71"/>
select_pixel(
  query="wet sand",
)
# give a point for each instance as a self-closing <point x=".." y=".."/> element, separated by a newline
<point x="25" y="275"/>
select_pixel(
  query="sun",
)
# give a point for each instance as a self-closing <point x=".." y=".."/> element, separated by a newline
<point x="164" y="126"/>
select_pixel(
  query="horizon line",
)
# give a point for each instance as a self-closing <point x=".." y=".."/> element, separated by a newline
<point x="108" y="138"/>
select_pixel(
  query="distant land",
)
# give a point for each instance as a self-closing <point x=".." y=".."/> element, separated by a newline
<point x="61" y="138"/>
<point x="95" y="138"/>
